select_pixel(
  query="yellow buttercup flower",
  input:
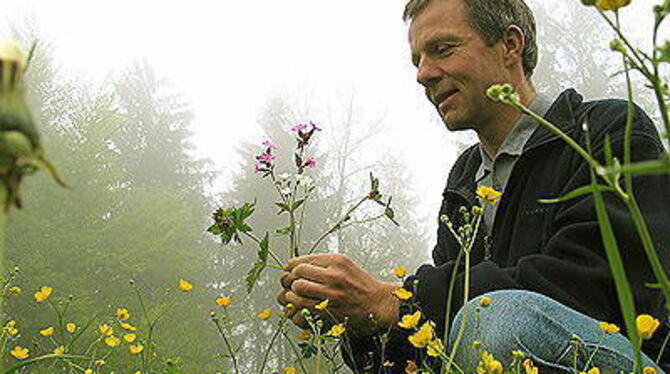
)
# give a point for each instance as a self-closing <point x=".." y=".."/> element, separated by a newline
<point x="290" y="370"/>
<point x="489" y="365"/>
<point x="649" y="370"/>
<point x="322" y="305"/>
<point x="14" y="291"/>
<point x="611" y="4"/>
<point x="105" y="329"/>
<point x="112" y="341"/>
<point x="20" y="353"/>
<point x="593" y="370"/>
<point x="128" y="326"/>
<point x="410" y="321"/>
<point x="336" y="330"/>
<point x="129" y="338"/>
<point x="10" y="328"/>
<point x="70" y="327"/>
<point x="59" y="350"/>
<point x="43" y="294"/>
<point x="47" y="332"/>
<point x="185" y="285"/>
<point x="122" y="313"/>
<point x="488" y="194"/>
<point x="223" y="301"/>
<point x="304" y="335"/>
<point x="435" y="347"/>
<point x="485" y="301"/>
<point x="421" y="338"/>
<point x="100" y="362"/>
<point x="88" y="371"/>
<point x="402" y="294"/>
<point x="529" y="367"/>
<point x="400" y="271"/>
<point x="518" y="355"/>
<point x="477" y="344"/>
<point x="646" y="325"/>
<point x="265" y="314"/>
<point x="411" y="367"/>
<point x="608" y="328"/>
<point x="136" y="348"/>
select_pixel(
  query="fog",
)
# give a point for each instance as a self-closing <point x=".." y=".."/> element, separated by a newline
<point x="155" y="109"/>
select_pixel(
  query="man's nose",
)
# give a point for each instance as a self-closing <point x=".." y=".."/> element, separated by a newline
<point x="428" y="74"/>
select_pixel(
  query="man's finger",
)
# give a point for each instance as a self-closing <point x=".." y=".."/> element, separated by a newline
<point x="286" y="280"/>
<point x="308" y="289"/>
<point x="309" y="272"/>
<point x="321" y="259"/>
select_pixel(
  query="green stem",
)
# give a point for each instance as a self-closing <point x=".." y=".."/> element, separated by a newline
<point x="271" y="343"/>
<point x="225" y="340"/>
<point x="556" y="131"/>
<point x="338" y="225"/>
<point x="258" y="241"/>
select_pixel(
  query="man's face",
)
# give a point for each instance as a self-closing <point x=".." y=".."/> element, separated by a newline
<point x="455" y="65"/>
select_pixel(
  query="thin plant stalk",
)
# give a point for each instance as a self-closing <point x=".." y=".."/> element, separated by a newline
<point x="466" y="297"/>
<point x="227" y="343"/>
<point x="271" y="343"/>
<point x="337" y="225"/>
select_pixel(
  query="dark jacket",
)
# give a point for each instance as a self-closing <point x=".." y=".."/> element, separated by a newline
<point x="552" y="249"/>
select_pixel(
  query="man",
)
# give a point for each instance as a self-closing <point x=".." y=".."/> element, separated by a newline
<point x="542" y="266"/>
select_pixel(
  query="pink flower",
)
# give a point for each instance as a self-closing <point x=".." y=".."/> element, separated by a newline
<point x="299" y="128"/>
<point x="257" y="168"/>
<point x="315" y="127"/>
<point x="266" y="158"/>
<point x="311" y="162"/>
<point x="269" y="145"/>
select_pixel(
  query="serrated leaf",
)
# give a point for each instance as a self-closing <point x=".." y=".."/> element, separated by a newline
<point x="260" y="265"/>
<point x="264" y="248"/>
<point x="214" y="229"/>
<point x="576" y="193"/>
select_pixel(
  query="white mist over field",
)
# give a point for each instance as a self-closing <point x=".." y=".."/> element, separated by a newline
<point x="227" y="58"/>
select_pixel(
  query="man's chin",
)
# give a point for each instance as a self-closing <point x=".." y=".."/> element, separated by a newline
<point x="455" y="125"/>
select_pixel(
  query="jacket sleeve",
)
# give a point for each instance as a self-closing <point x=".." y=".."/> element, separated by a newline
<point x="574" y="255"/>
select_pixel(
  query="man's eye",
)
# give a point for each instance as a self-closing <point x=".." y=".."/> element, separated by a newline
<point x="444" y="50"/>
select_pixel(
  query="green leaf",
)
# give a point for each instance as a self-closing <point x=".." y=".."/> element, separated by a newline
<point x="284" y="231"/>
<point x="214" y="229"/>
<point x="297" y="204"/>
<point x="283" y="207"/>
<point x="624" y="293"/>
<point x="260" y="265"/>
<point x="576" y="193"/>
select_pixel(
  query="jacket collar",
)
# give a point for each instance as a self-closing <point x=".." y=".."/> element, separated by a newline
<point x="562" y="113"/>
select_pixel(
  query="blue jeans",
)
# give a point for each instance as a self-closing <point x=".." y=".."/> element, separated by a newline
<point x="558" y="339"/>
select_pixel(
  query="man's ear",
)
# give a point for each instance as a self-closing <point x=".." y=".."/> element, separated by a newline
<point x="513" y="45"/>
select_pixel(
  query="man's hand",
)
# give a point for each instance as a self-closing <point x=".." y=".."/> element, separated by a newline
<point x="367" y="303"/>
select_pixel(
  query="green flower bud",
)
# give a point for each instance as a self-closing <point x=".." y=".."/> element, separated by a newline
<point x="617" y="46"/>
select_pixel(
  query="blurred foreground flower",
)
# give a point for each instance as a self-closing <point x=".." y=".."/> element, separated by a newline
<point x="21" y="152"/>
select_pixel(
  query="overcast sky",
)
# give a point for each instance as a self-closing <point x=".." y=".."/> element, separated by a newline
<point x="228" y="57"/>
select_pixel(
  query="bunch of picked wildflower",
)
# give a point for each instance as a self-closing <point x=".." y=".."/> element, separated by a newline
<point x="266" y="159"/>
